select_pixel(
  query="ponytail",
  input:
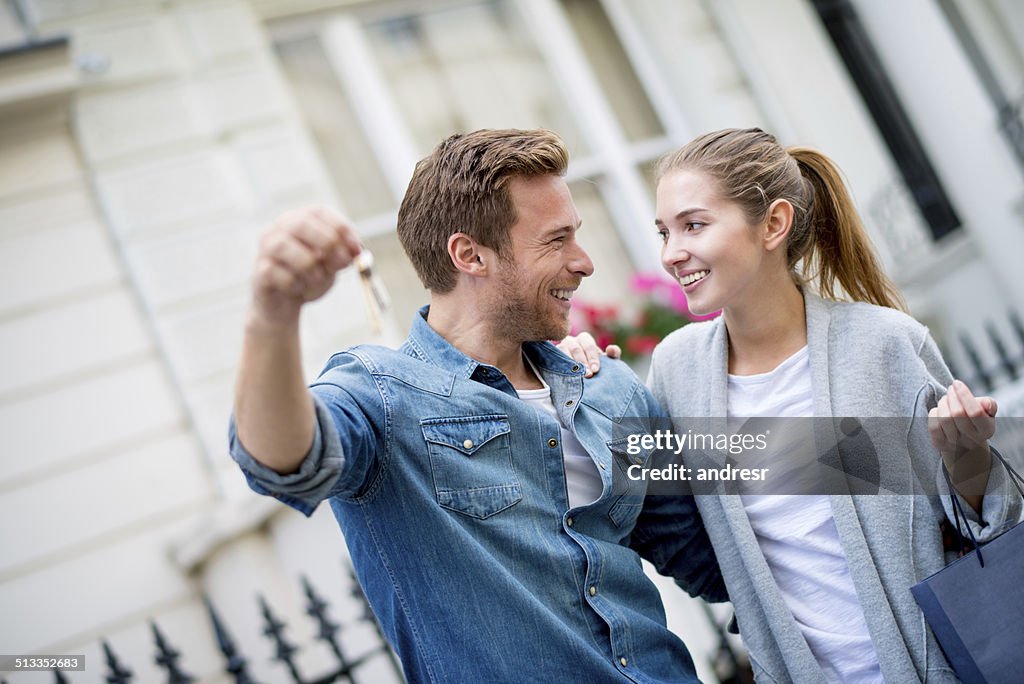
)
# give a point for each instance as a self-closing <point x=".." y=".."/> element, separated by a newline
<point x="839" y="250"/>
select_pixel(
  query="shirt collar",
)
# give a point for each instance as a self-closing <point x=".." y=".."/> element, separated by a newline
<point x="430" y="346"/>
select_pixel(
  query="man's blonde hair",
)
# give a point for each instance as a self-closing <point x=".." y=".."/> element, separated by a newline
<point x="462" y="187"/>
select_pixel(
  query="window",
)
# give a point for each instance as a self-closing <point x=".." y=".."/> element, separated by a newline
<point x="380" y="89"/>
<point x="352" y="164"/>
<point x="854" y="47"/>
<point x="992" y="35"/>
<point x="13" y="30"/>
<point x="469" y="67"/>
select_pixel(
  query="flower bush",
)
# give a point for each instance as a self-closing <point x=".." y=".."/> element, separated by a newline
<point x="662" y="310"/>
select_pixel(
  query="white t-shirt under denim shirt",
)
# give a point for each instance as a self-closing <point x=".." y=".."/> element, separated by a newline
<point x="798" y="536"/>
<point x="582" y="479"/>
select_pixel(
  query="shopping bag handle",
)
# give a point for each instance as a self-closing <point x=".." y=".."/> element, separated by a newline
<point x="958" y="511"/>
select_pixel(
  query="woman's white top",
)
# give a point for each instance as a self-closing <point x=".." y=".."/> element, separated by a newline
<point x="798" y="537"/>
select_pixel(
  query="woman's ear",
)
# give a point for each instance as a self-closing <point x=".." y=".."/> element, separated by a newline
<point x="466" y="255"/>
<point x="778" y="223"/>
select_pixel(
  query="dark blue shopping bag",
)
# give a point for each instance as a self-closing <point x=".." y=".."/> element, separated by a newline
<point x="975" y="605"/>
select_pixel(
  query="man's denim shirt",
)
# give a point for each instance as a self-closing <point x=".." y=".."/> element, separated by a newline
<point x="451" y="494"/>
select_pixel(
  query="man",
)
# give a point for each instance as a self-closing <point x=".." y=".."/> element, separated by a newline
<point x="471" y="470"/>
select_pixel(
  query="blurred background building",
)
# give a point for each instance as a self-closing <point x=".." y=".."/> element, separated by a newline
<point x="145" y="143"/>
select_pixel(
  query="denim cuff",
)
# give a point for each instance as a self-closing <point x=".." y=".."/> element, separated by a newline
<point x="317" y="473"/>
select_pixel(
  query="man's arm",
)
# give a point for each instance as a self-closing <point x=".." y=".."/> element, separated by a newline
<point x="299" y="257"/>
<point x="670" y="531"/>
<point x="670" y="534"/>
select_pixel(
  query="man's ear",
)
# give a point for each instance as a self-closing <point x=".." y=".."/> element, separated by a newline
<point x="778" y="223"/>
<point x="466" y="255"/>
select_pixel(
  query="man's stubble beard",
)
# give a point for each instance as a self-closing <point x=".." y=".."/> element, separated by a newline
<point x="518" y="316"/>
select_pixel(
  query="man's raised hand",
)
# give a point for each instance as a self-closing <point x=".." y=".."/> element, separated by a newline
<point x="299" y="256"/>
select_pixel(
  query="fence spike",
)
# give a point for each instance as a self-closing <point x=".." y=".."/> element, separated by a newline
<point x="1004" y="356"/>
<point x="984" y="381"/>
<point x="1018" y="329"/>
<point x="118" y="674"/>
<point x="317" y="608"/>
<point x="167" y="658"/>
<point x="283" y="651"/>
<point x="1017" y="325"/>
<point x="235" y="664"/>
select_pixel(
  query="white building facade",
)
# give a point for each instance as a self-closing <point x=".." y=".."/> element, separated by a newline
<point x="144" y="145"/>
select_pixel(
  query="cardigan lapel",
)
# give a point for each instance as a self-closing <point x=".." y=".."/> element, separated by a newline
<point x="718" y="372"/>
<point x="792" y="646"/>
<point x="846" y="509"/>
<point x="819" y="319"/>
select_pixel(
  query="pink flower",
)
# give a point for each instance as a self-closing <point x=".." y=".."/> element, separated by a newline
<point x="641" y="345"/>
<point x="667" y="292"/>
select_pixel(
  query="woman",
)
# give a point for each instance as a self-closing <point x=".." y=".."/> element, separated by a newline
<point x="820" y="583"/>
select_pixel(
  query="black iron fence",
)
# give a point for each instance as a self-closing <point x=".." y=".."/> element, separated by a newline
<point x="1007" y="356"/>
<point x="345" y="669"/>
<point x="728" y="661"/>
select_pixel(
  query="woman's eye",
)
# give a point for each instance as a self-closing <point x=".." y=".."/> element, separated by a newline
<point x="663" y="234"/>
<point x="694" y="225"/>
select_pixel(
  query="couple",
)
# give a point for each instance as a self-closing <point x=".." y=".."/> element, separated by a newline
<point x="471" y="470"/>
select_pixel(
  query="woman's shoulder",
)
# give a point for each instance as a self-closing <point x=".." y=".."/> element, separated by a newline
<point x="689" y="337"/>
<point x="869" y="321"/>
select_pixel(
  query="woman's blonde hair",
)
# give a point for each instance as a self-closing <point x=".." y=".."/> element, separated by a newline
<point x="827" y="244"/>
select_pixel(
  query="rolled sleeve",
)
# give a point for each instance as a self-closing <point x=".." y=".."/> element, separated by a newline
<point x="349" y="413"/>
<point x="315" y="479"/>
<point x="1000" y="507"/>
<point x="1001" y="503"/>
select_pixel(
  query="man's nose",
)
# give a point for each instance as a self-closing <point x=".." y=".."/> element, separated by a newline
<point x="581" y="263"/>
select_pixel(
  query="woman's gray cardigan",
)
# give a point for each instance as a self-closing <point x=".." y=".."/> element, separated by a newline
<point x="866" y="361"/>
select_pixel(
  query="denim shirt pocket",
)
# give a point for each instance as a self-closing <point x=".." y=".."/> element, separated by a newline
<point x="471" y="462"/>
<point x="629" y="493"/>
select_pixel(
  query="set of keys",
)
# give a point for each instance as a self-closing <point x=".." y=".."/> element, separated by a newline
<point x="377" y="301"/>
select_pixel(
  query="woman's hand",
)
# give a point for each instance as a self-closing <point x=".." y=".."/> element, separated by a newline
<point x="960" y="427"/>
<point x="583" y="349"/>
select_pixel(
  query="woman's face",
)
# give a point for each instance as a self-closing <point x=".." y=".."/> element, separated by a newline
<point x="709" y="245"/>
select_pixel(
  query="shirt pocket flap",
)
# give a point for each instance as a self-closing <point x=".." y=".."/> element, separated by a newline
<point x="628" y="451"/>
<point x="467" y="434"/>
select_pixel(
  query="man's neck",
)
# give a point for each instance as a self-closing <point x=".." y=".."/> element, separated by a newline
<point x="475" y="336"/>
